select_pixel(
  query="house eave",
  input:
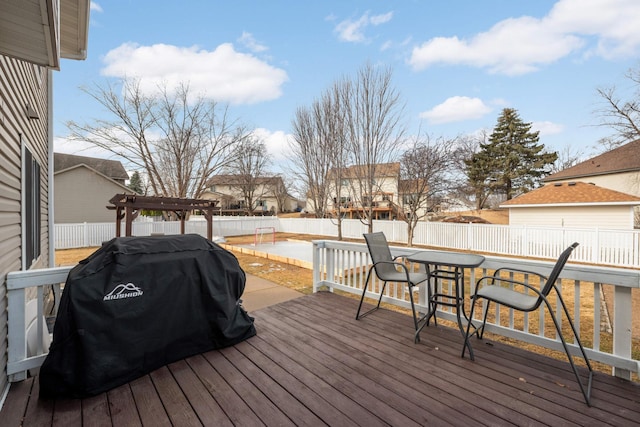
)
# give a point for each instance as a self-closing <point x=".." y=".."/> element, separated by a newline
<point x="576" y="205"/>
<point x="43" y="31"/>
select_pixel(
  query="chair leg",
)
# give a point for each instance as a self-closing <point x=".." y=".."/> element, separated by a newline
<point x="467" y="344"/>
<point x="364" y="291"/>
<point x="586" y="392"/>
<point x="416" y="337"/>
<point x="478" y="330"/>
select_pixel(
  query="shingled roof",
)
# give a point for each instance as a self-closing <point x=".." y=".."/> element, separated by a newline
<point x="110" y="168"/>
<point x="232" y="180"/>
<point x="381" y="170"/>
<point x="571" y="193"/>
<point x="625" y="158"/>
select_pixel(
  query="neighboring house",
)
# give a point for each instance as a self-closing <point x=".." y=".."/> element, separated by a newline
<point x="618" y="169"/>
<point x="352" y="202"/>
<point x="391" y="196"/>
<point x="84" y="186"/>
<point x="573" y="204"/>
<point x="33" y="38"/>
<point x="269" y="194"/>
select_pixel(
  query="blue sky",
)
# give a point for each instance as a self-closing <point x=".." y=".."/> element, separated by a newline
<point x="456" y="63"/>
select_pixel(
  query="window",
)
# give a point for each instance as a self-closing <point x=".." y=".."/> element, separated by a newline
<point x="30" y="209"/>
<point x="409" y="199"/>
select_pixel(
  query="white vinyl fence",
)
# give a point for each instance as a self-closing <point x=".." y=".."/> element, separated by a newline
<point x="598" y="246"/>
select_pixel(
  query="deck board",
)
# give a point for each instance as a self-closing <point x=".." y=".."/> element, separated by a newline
<point x="311" y="363"/>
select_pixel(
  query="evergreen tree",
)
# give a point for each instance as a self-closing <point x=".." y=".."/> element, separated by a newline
<point x="512" y="162"/>
<point x="135" y="183"/>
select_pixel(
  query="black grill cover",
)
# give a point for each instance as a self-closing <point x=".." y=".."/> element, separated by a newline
<point x="139" y="303"/>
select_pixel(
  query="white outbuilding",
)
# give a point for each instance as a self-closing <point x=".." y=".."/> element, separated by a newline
<point x="573" y="204"/>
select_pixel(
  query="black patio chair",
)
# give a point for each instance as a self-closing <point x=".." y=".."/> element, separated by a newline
<point x="530" y="299"/>
<point x="387" y="269"/>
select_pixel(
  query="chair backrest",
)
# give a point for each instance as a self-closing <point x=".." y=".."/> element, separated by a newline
<point x="553" y="276"/>
<point x="379" y="251"/>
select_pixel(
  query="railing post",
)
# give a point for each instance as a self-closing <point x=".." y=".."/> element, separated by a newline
<point x="622" y="331"/>
<point x="329" y="259"/>
<point x="17" y="341"/>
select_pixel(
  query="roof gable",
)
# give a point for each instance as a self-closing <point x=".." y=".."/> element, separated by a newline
<point x="110" y="168"/>
<point x="83" y="166"/>
<point x="382" y="170"/>
<point x="240" y="180"/>
<point x="625" y="158"/>
<point x="570" y="194"/>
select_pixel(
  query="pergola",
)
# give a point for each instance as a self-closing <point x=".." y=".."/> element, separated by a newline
<point x="128" y="206"/>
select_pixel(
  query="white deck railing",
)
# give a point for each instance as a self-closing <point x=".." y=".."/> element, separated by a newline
<point x="18" y="284"/>
<point x="343" y="266"/>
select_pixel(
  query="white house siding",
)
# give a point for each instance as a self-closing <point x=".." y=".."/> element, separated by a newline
<point x="82" y="195"/>
<point x="626" y="182"/>
<point x="21" y="84"/>
<point x="606" y="217"/>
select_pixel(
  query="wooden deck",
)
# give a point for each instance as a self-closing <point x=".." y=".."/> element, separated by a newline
<point x="311" y="363"/>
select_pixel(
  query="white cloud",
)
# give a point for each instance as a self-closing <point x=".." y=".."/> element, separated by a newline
<point x="522" y="45"/>
<point x="79" y="148"/>
<point x="276" y="143"/>
<point x="95" y="7"/>
<point x="247" y="40"/>
<point x="547" y="128"/>
<point x="222" y="74"/>
<point x="353" y="31"/>
<point x="614" y="24"/>
<point x="456" y="109"/>
<point x="386" y="45"/>
<point x="381" y="19"/>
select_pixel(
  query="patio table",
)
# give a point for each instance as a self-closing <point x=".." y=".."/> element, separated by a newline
<point x="448" y="266"/>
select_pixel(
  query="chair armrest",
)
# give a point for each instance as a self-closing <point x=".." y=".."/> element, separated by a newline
<point x="394" y="263"/>
<point x="515" y="270"/>
<point x="421" y="267"/>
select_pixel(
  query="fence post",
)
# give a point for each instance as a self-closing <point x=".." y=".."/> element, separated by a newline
<point x="595" y="256"/>
<point x="86" y="235"/>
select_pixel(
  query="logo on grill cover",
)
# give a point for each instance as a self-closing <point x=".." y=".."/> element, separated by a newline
<point x="123" y="291"/>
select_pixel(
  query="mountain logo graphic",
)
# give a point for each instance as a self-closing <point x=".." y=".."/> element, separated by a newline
<point x="123" y="291"/>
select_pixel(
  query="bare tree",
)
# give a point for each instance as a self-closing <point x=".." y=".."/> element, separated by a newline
<point x="278" y="187"/>
<point x="178" y="140"/>
<point x="374" y="132"/>
<point x="310" y="157"/>
<point x="470" y="188"/>
<point x="249" y="169"/>
<point x="623" y="115"/>
<point x="567" y="157"/>
<point x="329" y="113"/>
<point x="425" y="176"/>
<point x="318" y="150"/>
